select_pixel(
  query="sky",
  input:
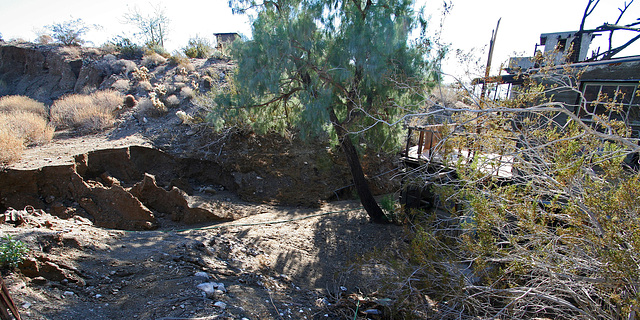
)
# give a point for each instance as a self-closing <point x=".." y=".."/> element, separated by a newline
<point x="467" y="27"/>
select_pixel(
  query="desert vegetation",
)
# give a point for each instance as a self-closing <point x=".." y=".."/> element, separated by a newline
<point x="87" y="113"/>
<point x="24" y="122"/>
<point x="556" y="238"/>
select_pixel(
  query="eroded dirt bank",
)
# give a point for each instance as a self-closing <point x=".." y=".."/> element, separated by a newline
<point x="125" y="188"/>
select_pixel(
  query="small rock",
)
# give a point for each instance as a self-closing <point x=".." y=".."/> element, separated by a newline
<point x="98" y="296"/>
<point x="211" y="287"/>
<point x="220" y="305"/>
<point x="207" y="287"/>
<point x="26" y="305"/>
<point x="40" y="280"/>
<point x="69" y="293"/>
<point x="202" y="274"/>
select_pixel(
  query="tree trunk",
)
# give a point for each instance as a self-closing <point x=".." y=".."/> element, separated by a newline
<point x="362" y="186"/>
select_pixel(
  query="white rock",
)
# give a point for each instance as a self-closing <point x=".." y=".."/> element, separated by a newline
<point x="202" y="274"/>
<point x="207" y="287"/>
<point x="98" y="296"/>
<point x="212" y="287"/>
<point x="26" y="305"/>
<point x="220" y="305"/>
<point x="68" y="293"/>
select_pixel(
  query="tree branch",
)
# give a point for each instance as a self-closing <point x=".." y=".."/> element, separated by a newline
<point x="622" y="11"/>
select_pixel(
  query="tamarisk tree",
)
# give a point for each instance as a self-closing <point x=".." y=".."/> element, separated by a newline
<point x="325" y="66"/>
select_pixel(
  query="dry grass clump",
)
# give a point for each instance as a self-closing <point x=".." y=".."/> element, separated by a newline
<point x="87" y="113"/>
<point x="9" y="104"/>
<point x="23" y="121"/>
<point x="10" y="146"/>
<point x="29" y="127"/>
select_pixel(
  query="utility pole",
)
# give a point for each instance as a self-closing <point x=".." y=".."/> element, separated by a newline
<point x="490" y="58"/>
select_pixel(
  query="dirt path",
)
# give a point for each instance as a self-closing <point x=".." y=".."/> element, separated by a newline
<point x="286" y="270"/>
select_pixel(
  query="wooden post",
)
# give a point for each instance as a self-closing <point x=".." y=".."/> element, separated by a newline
<point x="420" y="142"/>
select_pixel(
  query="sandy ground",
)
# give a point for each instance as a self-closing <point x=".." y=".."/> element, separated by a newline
<point x="276" y="263"/>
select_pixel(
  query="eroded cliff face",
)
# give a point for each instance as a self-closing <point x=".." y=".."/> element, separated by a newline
<point x="126" y="188"/>
<point x="46" y="72"/>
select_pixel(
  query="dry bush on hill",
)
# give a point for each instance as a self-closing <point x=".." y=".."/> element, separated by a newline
<point x="10" y="104"/>
<point x="87" y="113"/>
<point x="23" y="121"/>
<point x="29" y="127"/>
<point x="10" y="146"/>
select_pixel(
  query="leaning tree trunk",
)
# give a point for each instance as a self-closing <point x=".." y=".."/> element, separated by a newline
<point x="362" y="186"/>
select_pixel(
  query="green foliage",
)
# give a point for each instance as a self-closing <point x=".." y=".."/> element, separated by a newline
<point x="309" y="59"/>
<point x="69" y="33"/>
<point x="198" y="48"/>
<point x="12" y="251"/>
<point x="126" y="48"/>
<point x="388" y="204"/>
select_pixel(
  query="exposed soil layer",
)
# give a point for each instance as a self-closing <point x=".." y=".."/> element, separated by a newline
<point x="126" y="188"/>
<point x="276" y="263"/>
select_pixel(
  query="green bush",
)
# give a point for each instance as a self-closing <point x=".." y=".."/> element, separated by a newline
<point x="69" y="33"/>
<point x="198" y="48"/>
<point x="126" y="48"/>
<point x="12" y="251"/>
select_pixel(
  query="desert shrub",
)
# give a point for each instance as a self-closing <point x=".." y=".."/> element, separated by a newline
<point x="198" y="48"/>
<point x="12" y="251"/>
<point x="178" y="58"/>
<point x="557" y="240"/>
<point x="172" y="101"/>
<point x="87" y="113"/>
<point x="126" y="48"/>
<point x="10" y="104"/>
<point x="10" y="146"/>
<point x="144" y="86"/>
<point x="153" y="60"/>
<point x="121" y="85"/>
<point x="157" y="49"/>
<point x="44" y="39"/>
<point x="29" y="127"/>
<point x="187" y="93"/>
<point x="69" y="33"/>
<point x="23" y="121"/>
